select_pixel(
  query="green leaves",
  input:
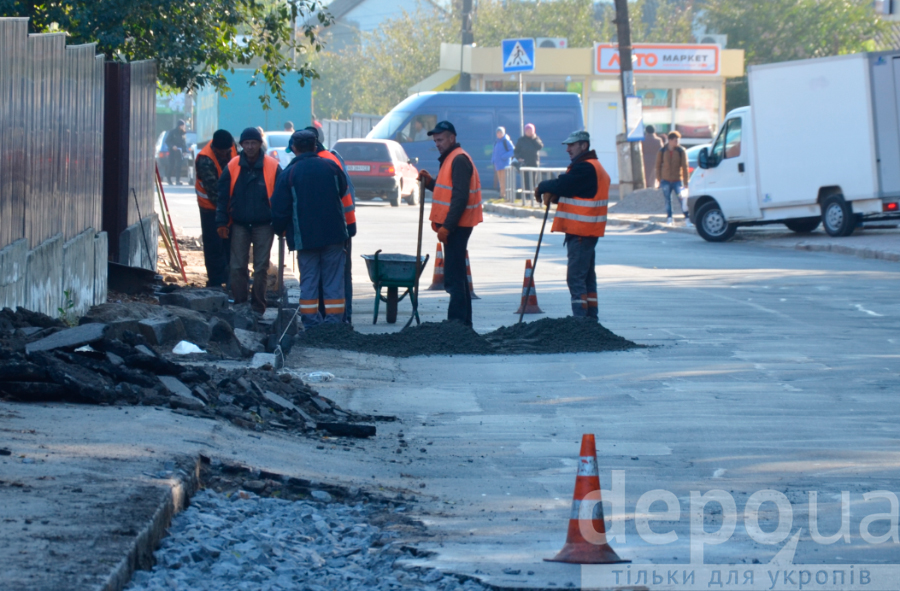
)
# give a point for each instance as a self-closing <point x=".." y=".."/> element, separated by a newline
<point x="194" y="42"/>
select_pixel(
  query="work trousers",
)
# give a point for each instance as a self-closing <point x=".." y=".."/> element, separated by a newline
<point x="668" y="189"/>
<point x="581" y="276"/>
<point x="456" y="281"/>
<point x="175" y="162"/>
<point x="261" y="237"/>
<point x="216" y="252"/>
<point x="348" y="286"/>
<point x="322" y="267"/>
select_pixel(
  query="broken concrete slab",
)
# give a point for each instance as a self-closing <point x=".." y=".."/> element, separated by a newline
<point x="199" y="300"/>
<point x="347" y="429"/>
<point x="162" y="331"/>
<point x="250" y="342"/>
<point x="175" y="386"/>
<point x="145" y="350"/>
<point x="262" y="359"/>
<point x="195" y="324"/>
<point x="69" y="338"/>
<point x="279" y="400"/>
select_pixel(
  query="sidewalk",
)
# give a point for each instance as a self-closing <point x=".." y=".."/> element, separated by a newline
<point x="877" y="241"/>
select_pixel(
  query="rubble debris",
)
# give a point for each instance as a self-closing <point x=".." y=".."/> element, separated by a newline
<point x="199" y="300"/>
<point x="347" y="429"/>
<point x="77" y="336"/>
<point x="548" y="335"/>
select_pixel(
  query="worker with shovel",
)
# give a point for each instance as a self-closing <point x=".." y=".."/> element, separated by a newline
<point x="581" y="195"/>
<point x="307" y="206"/>
<point x="455" y="211"/>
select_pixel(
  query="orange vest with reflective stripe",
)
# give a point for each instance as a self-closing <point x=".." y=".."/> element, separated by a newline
<point x="443" y="192"/>
<point x="346" y="200"/>
<point x="270" y="169"/>
<point x="202" y="199"/>
<point x="584" y="217"/>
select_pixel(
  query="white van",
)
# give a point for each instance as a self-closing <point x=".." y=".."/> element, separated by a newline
<point x="820" y="143"/>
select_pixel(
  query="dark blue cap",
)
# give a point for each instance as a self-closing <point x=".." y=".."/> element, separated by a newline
<point x="443" y="126"/>
<point x="251" y="133"/>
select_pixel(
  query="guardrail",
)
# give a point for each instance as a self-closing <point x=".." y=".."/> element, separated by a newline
<point x="520" y="182"/>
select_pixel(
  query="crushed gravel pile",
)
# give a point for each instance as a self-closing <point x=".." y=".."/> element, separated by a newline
<point x="548" y="335"/>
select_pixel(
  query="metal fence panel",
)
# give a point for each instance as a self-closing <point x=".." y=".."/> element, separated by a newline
<point x="13" y="48"/>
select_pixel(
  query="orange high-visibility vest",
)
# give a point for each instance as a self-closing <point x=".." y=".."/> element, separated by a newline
<point x="443" y="192"/>
<point x="202" y="199"/>
<point x="346" y="200"/>
<point x="584" y="217"/>
<point x="270" y="169"/>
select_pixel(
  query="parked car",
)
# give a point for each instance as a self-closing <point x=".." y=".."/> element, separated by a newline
<point x="692" y="153"/>
<point x="278" y="146"/>
<point x="476" y="116"/>
<point x="380" y="168"/>
<point x="162" y="156"/>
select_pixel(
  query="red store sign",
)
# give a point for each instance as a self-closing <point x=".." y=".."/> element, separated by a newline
<point x="660" y="59"/>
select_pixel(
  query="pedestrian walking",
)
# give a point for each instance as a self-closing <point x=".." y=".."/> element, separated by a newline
<point x="348" y="201"/>
<point x="455" y="211"/>
<point x="582" y="193"/>
<point x="177" y="144"/>
<point x="672" y="172"/>
<point x="501" y="157"/>
<point x="528" y="153"/>
<point x="244" y="215"/>
<point x="208" y="166"/>
<point x="650" y="147"/>
<point x="307" y="208"/>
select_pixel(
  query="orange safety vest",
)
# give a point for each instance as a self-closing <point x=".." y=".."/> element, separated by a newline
<point x="584" y="217"/>
<point x="443" y="192"/>
<point x="270" y="169"/>
<point x="346" y="200"/>
<point x="202" y="199"/>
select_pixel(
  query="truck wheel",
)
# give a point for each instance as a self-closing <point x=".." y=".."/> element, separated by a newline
<point x="837" y="216"/>
<point x="413" y="198"/>
<point x="393" y="297"/>
<point x="711" y="223"/>
<point x="803" y="225"/>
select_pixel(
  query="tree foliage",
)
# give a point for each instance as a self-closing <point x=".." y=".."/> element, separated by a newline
<point x="193" y="42"/>
<point x="576" y="20"/>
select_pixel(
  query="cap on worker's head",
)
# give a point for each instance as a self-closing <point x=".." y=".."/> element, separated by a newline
<point x="222" y="140"/>
<point x="180" y="123"/>
<point x="288" y="125"/>
<point x="304" y="136"/>
<point x="577" y="136"/>
<point x="443" y="126"/>
<point x="251" y="133"/>
<point x="674" y="135"/>
<point x="315" y="131"/>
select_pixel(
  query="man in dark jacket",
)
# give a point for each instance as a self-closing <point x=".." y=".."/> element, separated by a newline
<point x="209" y="165"/>
<point x="650" y="147"/>
<point x="307" y="207"/>
<point x="528" y="153"/>
<point x="177" y="144"/>
<point x="243" y="213"/>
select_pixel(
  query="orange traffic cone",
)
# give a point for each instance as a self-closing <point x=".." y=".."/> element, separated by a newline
<point x="587" y="515"/>
<point x="437" y="281"/>
<point x="469" y="277"/>
<point x="529" y="293"/>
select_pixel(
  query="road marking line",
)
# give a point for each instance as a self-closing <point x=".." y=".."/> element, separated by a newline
<point x="869" y="312"/>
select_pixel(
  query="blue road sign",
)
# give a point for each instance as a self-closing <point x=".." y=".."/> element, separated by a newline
<point x="518" y="55"/>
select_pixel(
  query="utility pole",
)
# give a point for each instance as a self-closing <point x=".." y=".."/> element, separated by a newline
<point x="468" y="38"/>
<point x="626" y="70"/>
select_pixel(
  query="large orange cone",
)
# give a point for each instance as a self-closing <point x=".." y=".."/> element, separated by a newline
<point x="529" y="294"/>
<point x="586" y="540"/>
<point x="469" y="277"/>
<point x="437" y="281"/>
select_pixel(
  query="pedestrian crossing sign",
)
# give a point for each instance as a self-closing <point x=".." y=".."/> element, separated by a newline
<point x="518" y="55"/>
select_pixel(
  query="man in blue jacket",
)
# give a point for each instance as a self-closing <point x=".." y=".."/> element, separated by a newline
<point x="307" y="207"/>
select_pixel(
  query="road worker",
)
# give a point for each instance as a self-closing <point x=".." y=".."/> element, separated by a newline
<point x="244" y="215"/>
<point x="307" y="208"/>
<point x="210" y="163"/>
<point x="455" y="211"/>
<point x="581" y="193"/>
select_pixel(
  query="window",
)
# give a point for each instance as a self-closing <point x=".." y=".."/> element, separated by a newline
<point x="733" y="139"/>
<point x="657" y="108"/>
<point x="389" y="125"/>
<point x="416" y="130"/>
<point x="363" y="151"/>
<point x="696" y="112"/>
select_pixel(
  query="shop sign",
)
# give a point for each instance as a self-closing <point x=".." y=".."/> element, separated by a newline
<point x="660" y="59"/>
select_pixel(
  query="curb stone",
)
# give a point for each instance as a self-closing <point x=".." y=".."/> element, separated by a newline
<point x="186" y="477"/>
<point x="864" y="253"/>
<point x="521" y="212"/>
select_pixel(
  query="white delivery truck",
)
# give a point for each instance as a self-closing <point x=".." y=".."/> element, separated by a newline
<point x="819" y="143"/>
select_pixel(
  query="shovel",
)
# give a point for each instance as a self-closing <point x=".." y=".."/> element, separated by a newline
<point x="282" y="302"/>
<point x="418" y="251"/>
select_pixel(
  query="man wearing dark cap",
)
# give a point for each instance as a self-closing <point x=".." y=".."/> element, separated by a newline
<point x="349" y="203"/>
<point x="307" y="207"/>
<point x="455" y="211"/>
<point x="244" y="215"/>
<point x="177" y="144"/>
<point x="581" y="193"/>
<point x="210" y="163"/>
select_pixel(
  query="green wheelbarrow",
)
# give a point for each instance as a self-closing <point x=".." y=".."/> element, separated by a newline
<point x="395" y="272"/>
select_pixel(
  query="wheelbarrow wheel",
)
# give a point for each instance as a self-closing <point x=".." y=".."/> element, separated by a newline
<point x="393" y="297"/>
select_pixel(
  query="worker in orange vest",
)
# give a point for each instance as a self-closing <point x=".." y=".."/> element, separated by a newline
<point x="210" y="162"/>
<point x="455" y="211"/>
<point x="244" y="214"/>
<point x="582" y="193"/>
